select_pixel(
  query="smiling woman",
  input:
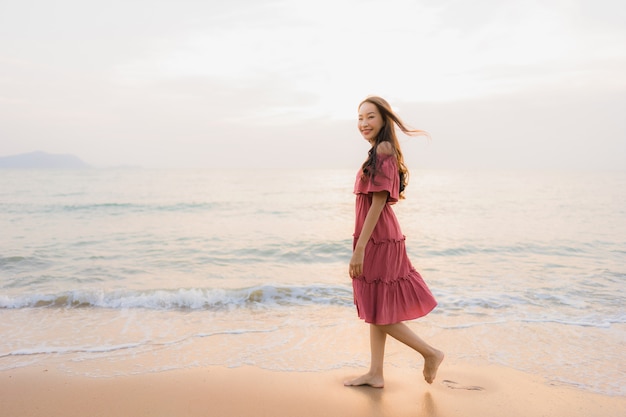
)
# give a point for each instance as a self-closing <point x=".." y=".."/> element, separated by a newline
<point x="388" y="290"/>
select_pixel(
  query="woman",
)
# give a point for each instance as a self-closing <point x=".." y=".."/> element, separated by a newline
<point x="387" y="289"/>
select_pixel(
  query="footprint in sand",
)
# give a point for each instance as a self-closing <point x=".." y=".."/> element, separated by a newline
<point x="456" y="385"/>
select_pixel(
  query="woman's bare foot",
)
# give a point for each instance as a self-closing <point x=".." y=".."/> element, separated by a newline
<point x="373" y="381"/>
<point x="431" y="364"/>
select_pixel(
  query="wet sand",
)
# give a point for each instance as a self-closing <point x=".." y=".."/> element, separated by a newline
<point x="248" y="391"/>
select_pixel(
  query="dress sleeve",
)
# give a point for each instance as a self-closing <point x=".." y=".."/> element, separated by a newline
<point x="387" y="178"/>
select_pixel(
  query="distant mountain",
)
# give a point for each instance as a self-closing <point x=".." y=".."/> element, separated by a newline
<point x="42" y="160"/>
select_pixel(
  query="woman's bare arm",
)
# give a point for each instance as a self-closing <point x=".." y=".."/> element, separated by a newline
<point x="379" y="199"/>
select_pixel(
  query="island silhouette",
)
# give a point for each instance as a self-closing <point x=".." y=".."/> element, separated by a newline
<point x="42" y="160"/>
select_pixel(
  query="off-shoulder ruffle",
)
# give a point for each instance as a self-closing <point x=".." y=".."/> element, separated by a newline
<point x="387" y="178"/>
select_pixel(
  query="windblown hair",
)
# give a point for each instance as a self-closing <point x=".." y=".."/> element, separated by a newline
<point x="388" y="134"/>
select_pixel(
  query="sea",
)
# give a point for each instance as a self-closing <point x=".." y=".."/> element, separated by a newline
<point x="108" y="272"/>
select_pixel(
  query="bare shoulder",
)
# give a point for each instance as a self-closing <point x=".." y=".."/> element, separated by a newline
<point x="385" y="148"/>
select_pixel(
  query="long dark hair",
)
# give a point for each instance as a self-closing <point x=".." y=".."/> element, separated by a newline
<point x="388" y="134"/>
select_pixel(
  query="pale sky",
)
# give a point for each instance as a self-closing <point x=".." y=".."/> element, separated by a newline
<point x="259" y="83"/>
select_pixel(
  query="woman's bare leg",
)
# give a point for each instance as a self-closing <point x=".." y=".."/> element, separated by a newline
<point x="374" y="377"/>
<point x="432" y="356"/>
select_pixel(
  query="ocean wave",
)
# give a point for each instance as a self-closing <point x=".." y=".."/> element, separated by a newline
<point x="132" y="207"/>
<point x="600" y="322"/>
<point x="112" y="208"/>
<point x="48" y="350"/>
<point x="298" y="252"/>
<point x="261" y="296"/>
<point x="10" y="263"/>
<point x="11" y="260"/>
<point x="516" y="249"/>
<point x="116" y="347"/>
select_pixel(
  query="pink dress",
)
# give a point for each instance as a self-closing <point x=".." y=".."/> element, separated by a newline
<point x="390" y="290"/>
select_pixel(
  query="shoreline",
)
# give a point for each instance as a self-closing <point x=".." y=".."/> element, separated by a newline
<point x="459" y="389"/>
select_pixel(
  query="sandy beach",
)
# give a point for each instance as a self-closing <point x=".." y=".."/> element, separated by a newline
<point x="249" y="391"/>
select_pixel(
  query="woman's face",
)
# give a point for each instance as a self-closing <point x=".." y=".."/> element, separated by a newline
<point x="370" y="121"/>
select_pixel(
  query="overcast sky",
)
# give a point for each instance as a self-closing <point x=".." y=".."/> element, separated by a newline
<point x="260" y="83"/>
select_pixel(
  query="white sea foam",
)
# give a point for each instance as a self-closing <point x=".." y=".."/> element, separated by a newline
<point x="261" y="296"/>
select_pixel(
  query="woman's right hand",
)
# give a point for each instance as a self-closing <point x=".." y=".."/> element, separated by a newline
<point x="356" y="263"/>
